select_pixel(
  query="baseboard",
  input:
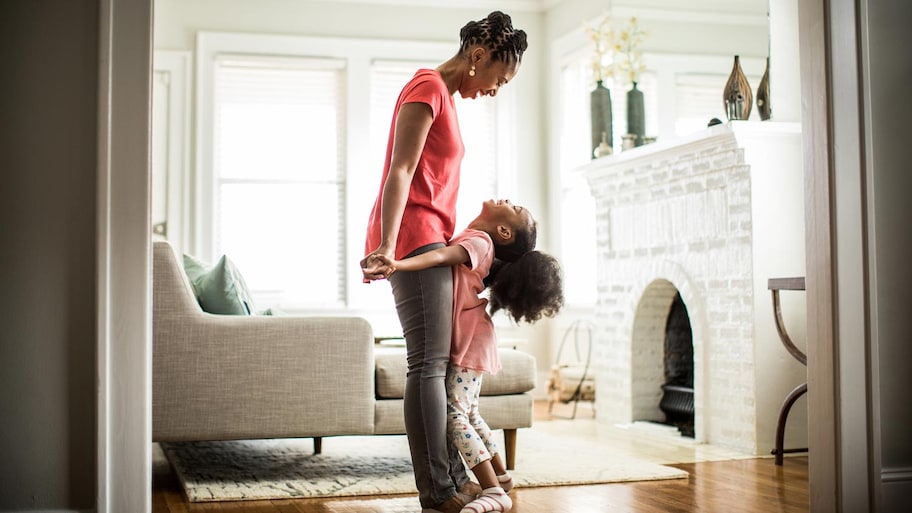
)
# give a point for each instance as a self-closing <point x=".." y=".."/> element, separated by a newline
<point x="896" y="488"/>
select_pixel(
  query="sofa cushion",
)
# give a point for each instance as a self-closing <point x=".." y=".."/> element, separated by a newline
<point x="499" y="411"/>
<point x="516" y="376"/>
<point x="220" y="289"/>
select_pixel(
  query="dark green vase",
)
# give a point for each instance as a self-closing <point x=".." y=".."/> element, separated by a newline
<point x="600" y="106"/>
<point x="636" y="114"/>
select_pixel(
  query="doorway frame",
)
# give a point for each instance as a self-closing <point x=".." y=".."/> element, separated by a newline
<point x="124" y="254"/>
<point x="843" y="423"/>
<point x="822" y="469"/>
<point x="123" y="258"/>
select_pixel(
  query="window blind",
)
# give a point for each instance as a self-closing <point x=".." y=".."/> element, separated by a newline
<point x="698" y="98"/>
<point x="279" y="168"/>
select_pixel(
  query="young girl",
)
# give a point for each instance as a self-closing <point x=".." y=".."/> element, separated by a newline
<point x="496" y="252"/>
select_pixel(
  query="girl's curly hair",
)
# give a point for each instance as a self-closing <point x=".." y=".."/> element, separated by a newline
<point x="528" y="289"/>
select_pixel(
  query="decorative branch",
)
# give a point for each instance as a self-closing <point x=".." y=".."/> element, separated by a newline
<point x="602" y="36"/>
<point x="631" y="64"/>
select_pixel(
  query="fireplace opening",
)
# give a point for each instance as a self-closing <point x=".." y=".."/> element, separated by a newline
<point x="678" y="389"/>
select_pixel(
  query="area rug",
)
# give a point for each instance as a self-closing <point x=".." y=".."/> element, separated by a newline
<point x="376" y="465"/>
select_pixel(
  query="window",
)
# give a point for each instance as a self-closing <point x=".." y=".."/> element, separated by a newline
<point x="291" y="142"/>
<point x="577" y="208"/>
<point x="279" y="175"/>
<point x="698" y="99"/>
<point x="171" y="88"/>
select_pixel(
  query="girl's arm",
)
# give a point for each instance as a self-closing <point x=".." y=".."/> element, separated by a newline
<point x="445" y="256"/>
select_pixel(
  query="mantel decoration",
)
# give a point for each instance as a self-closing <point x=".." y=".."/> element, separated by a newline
<point x="630" y="66"/>
<point x="737" y="96"/>
<point x="763" y="94"/>
<point x="602" y="35"/>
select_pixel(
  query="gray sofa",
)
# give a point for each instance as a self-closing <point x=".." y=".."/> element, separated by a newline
<point x="228" y="377"/>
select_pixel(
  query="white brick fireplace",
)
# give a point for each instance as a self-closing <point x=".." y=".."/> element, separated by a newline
<point x="711" y="217"/>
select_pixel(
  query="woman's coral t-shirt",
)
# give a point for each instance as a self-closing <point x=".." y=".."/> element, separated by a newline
<point x="430" y="211"/>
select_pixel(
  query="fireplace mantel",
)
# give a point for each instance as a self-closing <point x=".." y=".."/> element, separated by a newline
<point x="747" y="133"/>
<point x="712" y="216"/>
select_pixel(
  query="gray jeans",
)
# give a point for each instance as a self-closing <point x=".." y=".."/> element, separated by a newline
<point x="424" y="302"/>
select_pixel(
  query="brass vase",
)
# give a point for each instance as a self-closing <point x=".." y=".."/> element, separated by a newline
<point x="763" y="94"/>
<point x="737" y="96"/>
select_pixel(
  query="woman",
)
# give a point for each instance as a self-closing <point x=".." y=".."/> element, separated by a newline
<point x="415" y="212"/>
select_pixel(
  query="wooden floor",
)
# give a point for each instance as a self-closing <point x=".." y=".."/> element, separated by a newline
<point x="746" y="485"/>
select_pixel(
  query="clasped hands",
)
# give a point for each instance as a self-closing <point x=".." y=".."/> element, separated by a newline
<point x="376" y="266"/>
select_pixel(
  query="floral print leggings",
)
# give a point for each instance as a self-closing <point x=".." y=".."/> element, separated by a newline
<point x="465" y="427"/>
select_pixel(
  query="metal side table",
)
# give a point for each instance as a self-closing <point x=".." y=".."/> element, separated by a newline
<point x="776" y="285"/>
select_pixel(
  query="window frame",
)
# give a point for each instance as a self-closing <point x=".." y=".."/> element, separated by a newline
<point x="173" y="70"/>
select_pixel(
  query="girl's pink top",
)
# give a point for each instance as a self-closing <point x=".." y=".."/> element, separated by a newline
<point x="474" y="343"/>
<point x="430" y="210"/>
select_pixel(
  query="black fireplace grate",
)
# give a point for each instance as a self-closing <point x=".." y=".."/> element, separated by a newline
<point x="677" y="400"/>
<point x="677" y="393"/>
<point x="678" y="406"/>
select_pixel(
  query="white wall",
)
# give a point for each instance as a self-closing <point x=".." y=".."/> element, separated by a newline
<point x="778" y="252"/>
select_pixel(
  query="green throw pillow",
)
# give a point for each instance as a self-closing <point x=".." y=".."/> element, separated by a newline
<point x="195" y="270"/>
<point x="220" y="289"/>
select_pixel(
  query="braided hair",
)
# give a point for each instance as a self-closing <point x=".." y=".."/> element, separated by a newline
<point x="496" y="33"/>
<point x="525" y="283"/>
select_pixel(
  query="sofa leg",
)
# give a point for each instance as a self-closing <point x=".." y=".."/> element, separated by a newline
<point x="510" y="449"/>
<point x="318" y="444"/>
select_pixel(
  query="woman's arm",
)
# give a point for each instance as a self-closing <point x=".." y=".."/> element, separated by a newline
<point x="412" y="126"/>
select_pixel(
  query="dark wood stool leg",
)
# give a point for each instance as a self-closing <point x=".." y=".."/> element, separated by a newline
<point x="793" y="396"/>
<point x="318" y="445"/>
<point x="510" y="449"/>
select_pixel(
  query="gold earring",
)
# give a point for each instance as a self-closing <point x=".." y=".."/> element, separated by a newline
<point x="472" y="71"/>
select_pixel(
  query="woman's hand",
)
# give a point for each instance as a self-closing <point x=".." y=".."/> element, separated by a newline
<point x="377" y="265"/>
